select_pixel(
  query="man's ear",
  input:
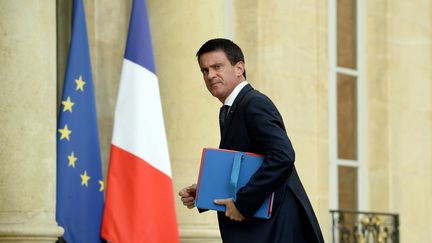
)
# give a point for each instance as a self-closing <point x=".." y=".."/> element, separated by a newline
<point x="239" y="68"/>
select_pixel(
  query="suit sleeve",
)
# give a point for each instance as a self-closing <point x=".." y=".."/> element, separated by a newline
<point x="268" y="136"/>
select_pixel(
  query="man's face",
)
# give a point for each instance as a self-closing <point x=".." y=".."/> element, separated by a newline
<point x="219" y="75"/>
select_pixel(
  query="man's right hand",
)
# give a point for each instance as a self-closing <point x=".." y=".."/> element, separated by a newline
<point x="187" y="195"/>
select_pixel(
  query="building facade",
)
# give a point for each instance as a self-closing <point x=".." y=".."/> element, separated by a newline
<point x="352" y="80"/>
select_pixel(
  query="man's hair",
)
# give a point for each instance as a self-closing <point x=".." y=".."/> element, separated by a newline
<point x="231" y="50"/>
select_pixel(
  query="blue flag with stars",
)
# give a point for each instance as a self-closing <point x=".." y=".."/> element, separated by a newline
<point x="80" y="184"/>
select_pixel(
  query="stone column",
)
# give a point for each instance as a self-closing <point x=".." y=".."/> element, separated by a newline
<point x="28" y="121"/>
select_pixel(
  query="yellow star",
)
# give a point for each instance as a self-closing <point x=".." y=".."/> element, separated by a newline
<point x="67" y="105"/>
<point x="65" y="132"/>
<point x="84" y="179"/>
<point x="101" y="185"/>
<point x="80" y="83"/>
<point x="72" y="160"/>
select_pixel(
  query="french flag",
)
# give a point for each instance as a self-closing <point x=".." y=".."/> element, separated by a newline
<point x="139" y="196"/>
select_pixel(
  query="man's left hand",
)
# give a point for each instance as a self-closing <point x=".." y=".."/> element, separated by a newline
<point x="231" y="210"/>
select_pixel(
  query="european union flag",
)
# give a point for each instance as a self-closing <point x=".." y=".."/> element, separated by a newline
<point x="79" y="175"/>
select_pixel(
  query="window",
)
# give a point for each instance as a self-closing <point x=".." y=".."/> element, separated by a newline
<point x="346" y="105"/>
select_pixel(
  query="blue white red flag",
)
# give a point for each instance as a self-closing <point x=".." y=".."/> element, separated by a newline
<point x="139" y="200"/>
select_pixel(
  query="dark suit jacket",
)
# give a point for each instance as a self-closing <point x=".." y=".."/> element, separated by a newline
<point x="254" y="124"/>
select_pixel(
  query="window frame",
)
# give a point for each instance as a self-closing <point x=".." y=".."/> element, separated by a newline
<point x="360" y="75"/>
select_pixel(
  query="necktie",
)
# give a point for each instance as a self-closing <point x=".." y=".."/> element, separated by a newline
<point x="222" y="115"/>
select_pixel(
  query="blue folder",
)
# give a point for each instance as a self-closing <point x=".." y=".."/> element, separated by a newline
<point x="222" y="174"/>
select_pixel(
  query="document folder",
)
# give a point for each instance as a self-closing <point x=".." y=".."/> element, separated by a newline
<point x="222" y="174"/>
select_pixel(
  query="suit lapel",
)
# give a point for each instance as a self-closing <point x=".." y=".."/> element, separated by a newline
<point x="233" y="109"/>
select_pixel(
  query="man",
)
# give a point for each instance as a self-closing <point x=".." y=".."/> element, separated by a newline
<point x="253" y="124"/>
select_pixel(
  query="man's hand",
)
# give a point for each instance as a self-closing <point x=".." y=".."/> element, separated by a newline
<point x="187" y="195"/>
<point x="231" y="210"/>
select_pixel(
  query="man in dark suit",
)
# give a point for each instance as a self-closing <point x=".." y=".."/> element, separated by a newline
<point x="250" y="122"/>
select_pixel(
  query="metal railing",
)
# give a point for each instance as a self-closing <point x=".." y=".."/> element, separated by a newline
<point x="364" y="227"/>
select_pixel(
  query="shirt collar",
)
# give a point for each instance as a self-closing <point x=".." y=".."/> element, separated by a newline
<point x="230" y="99"/>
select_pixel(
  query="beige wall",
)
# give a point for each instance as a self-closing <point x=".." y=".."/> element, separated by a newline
<point x="400" y="113"/>
<point x="285" y="45"/>
<point x="377" y="106"/>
